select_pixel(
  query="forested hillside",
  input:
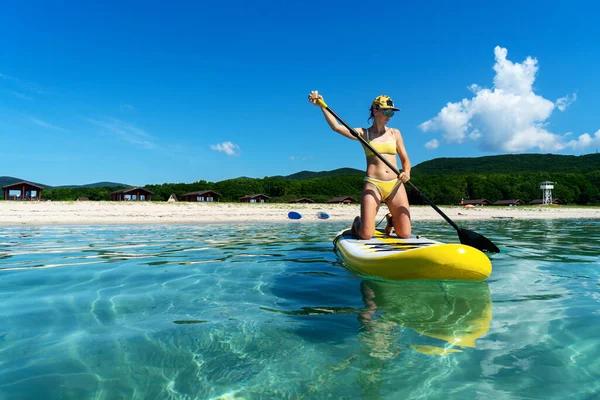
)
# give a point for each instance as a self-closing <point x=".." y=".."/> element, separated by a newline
<point x="511" y="163"/>
<point x="445" y="181"/>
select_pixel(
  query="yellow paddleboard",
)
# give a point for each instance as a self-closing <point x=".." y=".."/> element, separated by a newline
<point x="416" y="258"/>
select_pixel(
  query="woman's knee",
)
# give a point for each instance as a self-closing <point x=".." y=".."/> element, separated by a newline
<point x="403" y="232"/>
<point x="365" y="233"/>
<point x="403" y="229"/>
<point x="359" y="229"/>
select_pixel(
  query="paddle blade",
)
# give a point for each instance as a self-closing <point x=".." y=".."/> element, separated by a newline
<point x="478" y="241"/>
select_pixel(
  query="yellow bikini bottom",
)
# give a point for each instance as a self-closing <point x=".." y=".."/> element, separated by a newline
<point x="385" y="188"/>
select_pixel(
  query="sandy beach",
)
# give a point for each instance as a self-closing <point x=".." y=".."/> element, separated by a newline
<point x="100" y="212"/>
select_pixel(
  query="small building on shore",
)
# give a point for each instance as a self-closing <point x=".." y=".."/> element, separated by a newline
<point x="132" y="194"/>
<point x="22" y="191"/>
<point x="509" y="203"/>
<point x="538" y="202"/>
<point x="202" y="196"/>
<point x="303" y="200"/>
<point x="342" y="200"/>
<point x="476" y="202"/>
<point x="254" y="198"/>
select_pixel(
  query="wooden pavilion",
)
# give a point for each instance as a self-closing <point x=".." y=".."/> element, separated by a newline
<point x="22" y="191"/>
<point x="541" y="202"/>
<point x="132" y="194"/>
<point x="254" y="198"/>
<point x="510" y="203"/>
<point x="303" y="200"/>
<point x="476" y="202"/>
<point x="202" y="196"/>
<point x="342" y="200"/>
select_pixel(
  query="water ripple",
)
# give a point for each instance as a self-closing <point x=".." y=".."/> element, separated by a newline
<point x="267" y="311"/>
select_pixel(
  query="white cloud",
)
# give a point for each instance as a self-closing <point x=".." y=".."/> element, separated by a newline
<point x="127" y="107"/>
<point x="432" y="144"/>
<point x="510" y="117"/>
<point x="301" y="158"/>
<point x="585" y="140"/>
<point x="514" y="78"/>
<point x="19" y="95"/>
<point x="28" y="86"/>
<point x="45" y="124"/>
<point x="126" y="131"/>
<point x="565" y="102"/>
<point x="227" y="148"/>
<point x="475" y="134"/>
<point x="474" y="88"/>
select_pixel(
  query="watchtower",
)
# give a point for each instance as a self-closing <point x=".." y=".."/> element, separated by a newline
<point x="547" y="187"/>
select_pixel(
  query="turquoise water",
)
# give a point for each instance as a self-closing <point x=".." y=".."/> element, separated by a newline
<point x="266" y="311"/>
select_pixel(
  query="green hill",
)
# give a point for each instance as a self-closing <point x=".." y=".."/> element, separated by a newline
<point x="303" y="175"/>
<point x="510" y="163"/>
<point x="95" y="185"/>
<point x="444" y="180"/>
<point x="9" y="180"/>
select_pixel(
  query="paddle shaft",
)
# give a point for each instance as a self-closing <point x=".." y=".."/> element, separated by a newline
<point x="389" y="164"/>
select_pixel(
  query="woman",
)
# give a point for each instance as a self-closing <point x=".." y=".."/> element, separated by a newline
<point x="381" y="183"/>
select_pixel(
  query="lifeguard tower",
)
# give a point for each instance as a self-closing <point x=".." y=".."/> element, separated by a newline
<point x="547" y="187"/>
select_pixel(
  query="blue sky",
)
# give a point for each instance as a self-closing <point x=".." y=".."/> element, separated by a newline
<point x="149" y="92"/>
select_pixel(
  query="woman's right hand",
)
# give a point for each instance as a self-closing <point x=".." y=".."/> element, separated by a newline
<point x="314" y="97"/>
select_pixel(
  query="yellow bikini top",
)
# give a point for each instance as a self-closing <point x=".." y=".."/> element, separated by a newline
<point x="387" y="147"/>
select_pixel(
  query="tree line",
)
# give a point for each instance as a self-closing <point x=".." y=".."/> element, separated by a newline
<point x="511" y="163"/>
<point x="448" y="189"/>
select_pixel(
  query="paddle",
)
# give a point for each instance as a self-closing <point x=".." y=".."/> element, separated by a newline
<point x="466" y="237"/>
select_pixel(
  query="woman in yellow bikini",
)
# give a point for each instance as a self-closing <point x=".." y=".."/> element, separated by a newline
<point x="381" y="183"/>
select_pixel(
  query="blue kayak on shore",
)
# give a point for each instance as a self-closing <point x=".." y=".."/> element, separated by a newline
<point x="294" y="215"/>
<point x="322" y="215"/>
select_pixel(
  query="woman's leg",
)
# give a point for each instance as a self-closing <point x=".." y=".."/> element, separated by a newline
<point x="389" y="223"/>
<point x="364" y="227"/>
<point x="398" y="204"/>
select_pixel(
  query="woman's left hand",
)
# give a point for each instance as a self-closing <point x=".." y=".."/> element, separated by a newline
<point x="404" y="176"/>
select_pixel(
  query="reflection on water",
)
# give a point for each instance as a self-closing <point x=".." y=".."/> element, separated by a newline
<point x="455" y="313"/>
<point x="427" y="318"/>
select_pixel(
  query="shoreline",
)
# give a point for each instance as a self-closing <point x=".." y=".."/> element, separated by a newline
<point x="19" y="213"/>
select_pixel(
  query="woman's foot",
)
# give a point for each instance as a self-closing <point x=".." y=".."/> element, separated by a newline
<point x="355" y="226"/>
<point x="389" y="224"/>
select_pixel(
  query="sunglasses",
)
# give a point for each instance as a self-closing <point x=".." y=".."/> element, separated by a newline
<point x="388" y="113"/>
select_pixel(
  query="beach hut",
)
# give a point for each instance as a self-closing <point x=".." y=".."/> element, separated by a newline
<point x="303" y="200"/>
<point x="172" y="198"/>
<point x="22" y="191"/>
<point x="541" y="201"/>
<point x="132" y="194"/>
<point x="202" y="196"/>
<point x="342" y="200"/>
<point x="510" y="203"/>
<point x="477" y="202"/>
<point x="254" y="198"/>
